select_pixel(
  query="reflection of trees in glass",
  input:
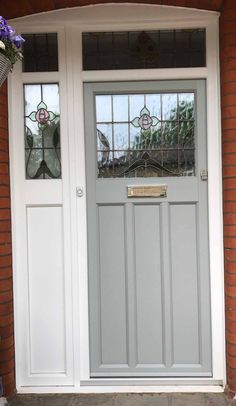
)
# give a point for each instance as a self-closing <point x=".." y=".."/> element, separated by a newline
<point x="42" y="133"/>
<point x="170" y="143"/>
<point x="172" y="133"/>
<point x="44" y="159"/>
<point x="165" y="148"/>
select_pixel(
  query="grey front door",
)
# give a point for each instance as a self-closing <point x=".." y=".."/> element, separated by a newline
<point x="149" y="293"/>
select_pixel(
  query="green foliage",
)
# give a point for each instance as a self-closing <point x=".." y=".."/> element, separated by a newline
<point x="177" y="131"/>
<point x="11" y="52"/>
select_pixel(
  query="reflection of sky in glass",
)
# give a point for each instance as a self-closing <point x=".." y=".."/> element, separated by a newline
<point x="51" y="97"/>
<point x="32" y="98"/>
<point x="103" y="109"/>
<point x="136" y="105"/>
<point x="169" y="106"/>
<point x="186" y="97"/>
<point x="120" y="108"/>
<point x="121" y="136"/>
<point x="153" y="103"/>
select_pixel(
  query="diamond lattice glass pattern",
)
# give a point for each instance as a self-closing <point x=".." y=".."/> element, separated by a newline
<point x="145" y="135"/>
<point x="42" y="131"/>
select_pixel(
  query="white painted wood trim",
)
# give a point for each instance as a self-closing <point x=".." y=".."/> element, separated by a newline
<point x="112" y="14"/>
<point x="215" y="198"/>
<point x="30" y="193"/>
<point x="142" y="74"/>
<point x="126" y="389"/>
<point x="76" y="21"/>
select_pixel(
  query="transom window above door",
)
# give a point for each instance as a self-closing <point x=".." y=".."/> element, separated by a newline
<point x="182" y="48"/>
<point x="145" y="135"/>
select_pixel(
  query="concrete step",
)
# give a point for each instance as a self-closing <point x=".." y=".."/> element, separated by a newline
<point x="175" y="399"/>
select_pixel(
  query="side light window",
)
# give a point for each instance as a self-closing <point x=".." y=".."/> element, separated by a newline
<point x="42" y="131"/>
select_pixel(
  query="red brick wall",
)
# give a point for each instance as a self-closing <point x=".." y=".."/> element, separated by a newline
<point x="228" y="90"/>
<point x="6" y="303"/>
<point x="14" y="8"/>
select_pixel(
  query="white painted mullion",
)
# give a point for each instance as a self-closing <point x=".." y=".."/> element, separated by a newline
<point x="19" y="224"/>
<point x="71" y="165"/>
<point x="66" y="197"/>
<point x="77" y="149"/>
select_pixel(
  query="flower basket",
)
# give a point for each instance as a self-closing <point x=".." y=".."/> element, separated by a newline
<point x="10" y="48"/>
<point x="5" y="67"/>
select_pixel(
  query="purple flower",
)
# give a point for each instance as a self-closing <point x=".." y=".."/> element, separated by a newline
<point x="11" y="31"/>
<point x="11" y="41"/>
<point x="17" y="41"/>
<point x="2" y="21"/>
<point x="4" y="34"/>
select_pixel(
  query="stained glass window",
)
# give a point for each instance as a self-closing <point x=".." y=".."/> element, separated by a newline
<point x="42" y="131"/>
<point x="145" y="135"/>
<point x="144" y="49"/>
<point x="40" y="52"/>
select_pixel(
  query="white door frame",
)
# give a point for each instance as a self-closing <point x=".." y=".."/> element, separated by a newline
<point x="107" y="18"/>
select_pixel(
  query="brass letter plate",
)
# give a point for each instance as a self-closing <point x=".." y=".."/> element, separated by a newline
<point x="147" y="191"/>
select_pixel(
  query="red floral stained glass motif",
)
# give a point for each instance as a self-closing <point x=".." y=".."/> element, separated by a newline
<point x="42" y="115"/>
<point x="145" y="121"/>
<point x="42" y="131"/>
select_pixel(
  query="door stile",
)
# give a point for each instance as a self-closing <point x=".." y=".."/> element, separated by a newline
<point x="202" y="212"/>
<point x="131" y="291"/>
<point x="166" y="285"/>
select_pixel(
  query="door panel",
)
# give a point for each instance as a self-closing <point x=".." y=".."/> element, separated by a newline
<point x="184" y="275"/>
<point x="148" y="281"/>
<point x="149" y="294"/>
<point x="112" y="283"/>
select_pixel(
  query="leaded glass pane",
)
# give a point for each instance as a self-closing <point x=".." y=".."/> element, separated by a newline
<point x="144" y="49"/>
<point x="146" y="135"/>
<point x="42" y="131"/>
<point x="40" y="52"/>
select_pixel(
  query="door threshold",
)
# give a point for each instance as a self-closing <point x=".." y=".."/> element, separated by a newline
<point x="152" y="382"/>
<point x="88" y="387"/>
